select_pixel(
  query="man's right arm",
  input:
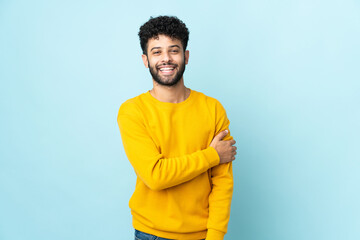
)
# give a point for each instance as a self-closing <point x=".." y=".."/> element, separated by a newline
<point x="156" y="171"/>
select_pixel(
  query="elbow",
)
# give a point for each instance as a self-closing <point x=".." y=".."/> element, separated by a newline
<point x="154" y="178"/>
<point x="154" y="185"/>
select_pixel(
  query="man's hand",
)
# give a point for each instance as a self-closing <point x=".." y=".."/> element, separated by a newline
<point x="225" y="149"/>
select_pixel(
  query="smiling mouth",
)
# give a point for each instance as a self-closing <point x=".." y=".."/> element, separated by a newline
<point x="166" y="69"/>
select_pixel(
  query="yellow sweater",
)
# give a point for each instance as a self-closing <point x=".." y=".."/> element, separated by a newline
<point x="181" y="190"/>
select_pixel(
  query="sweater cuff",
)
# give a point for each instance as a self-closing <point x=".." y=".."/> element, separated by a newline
<point x="212" y="156"/>
<point x="213" y="234"/>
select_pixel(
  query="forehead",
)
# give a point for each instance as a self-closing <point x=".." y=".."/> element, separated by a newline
<point x="163" y="41"/>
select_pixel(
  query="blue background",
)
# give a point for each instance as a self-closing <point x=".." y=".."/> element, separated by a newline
<point x="287" y="73"/>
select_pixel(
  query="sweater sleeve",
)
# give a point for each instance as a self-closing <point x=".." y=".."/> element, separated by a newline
<point x="222" y="188"/>
<point x="156" y="171"/>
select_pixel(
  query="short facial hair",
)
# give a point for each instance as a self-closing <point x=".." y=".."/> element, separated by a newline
<point x="155" y="74"/>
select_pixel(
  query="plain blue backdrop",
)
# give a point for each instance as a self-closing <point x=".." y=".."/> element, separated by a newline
<point x="287" y="72"/>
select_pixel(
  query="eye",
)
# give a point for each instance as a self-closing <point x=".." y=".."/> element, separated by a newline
<point x="174" y="51"/>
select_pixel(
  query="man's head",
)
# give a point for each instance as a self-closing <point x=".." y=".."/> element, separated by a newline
<point x="163" y="25"/>
<point x="164" y="41"/>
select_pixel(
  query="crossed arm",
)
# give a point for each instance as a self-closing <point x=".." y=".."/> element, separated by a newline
<point x="158" y="172"/>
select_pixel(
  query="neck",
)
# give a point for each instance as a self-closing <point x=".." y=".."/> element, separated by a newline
<point x="172" y="94"/>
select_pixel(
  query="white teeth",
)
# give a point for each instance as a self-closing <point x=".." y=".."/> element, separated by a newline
<point x="166" y="69"/>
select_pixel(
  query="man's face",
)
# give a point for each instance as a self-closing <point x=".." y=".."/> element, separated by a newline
<point x="166" y="60"/>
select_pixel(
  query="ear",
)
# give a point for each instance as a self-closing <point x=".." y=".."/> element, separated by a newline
<point x="145" y="60"/>
<point x="186" y="57"/>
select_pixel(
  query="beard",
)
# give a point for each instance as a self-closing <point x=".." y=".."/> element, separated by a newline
<point x="167" y="80"/>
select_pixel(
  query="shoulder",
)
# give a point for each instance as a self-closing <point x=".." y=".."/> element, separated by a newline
<point x="211" y="102"/>
<point x="131" y="106"/>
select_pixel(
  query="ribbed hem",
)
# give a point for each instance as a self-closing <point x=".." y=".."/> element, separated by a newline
<point x="213" y="234"/>
<point x="157" y="102"/>
<point x="213" y="156"/>
<point x="185" y="236"/>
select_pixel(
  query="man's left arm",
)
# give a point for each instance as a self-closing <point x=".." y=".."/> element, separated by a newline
<point x="222" y="188"/>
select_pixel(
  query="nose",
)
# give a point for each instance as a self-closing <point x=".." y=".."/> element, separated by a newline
<point x="166" y="57"/>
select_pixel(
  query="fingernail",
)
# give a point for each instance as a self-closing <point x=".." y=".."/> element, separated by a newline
<point x="226" y="131"/>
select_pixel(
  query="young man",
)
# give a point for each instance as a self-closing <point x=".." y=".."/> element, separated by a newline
<point x="179" y="144"/>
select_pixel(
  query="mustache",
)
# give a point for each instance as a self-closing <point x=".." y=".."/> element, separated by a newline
<point x="167" y="64"/>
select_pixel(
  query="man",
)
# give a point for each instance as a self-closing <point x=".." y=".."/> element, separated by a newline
<point x="178" y="142"/>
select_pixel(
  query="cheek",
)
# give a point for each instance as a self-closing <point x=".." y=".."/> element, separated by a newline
<point x="179" y="60"/>
<point x="152" y="63"/>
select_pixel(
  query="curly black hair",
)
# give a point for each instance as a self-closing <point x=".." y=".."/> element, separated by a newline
<point x="168" y="25"/>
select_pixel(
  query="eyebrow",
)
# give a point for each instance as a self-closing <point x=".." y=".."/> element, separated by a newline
<point x="155" y="48"/>
<point x="169" y="47"/>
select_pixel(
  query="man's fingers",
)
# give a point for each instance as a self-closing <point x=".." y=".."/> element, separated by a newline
<point x="221" y="135"/>
<point x="232" y="142"/>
